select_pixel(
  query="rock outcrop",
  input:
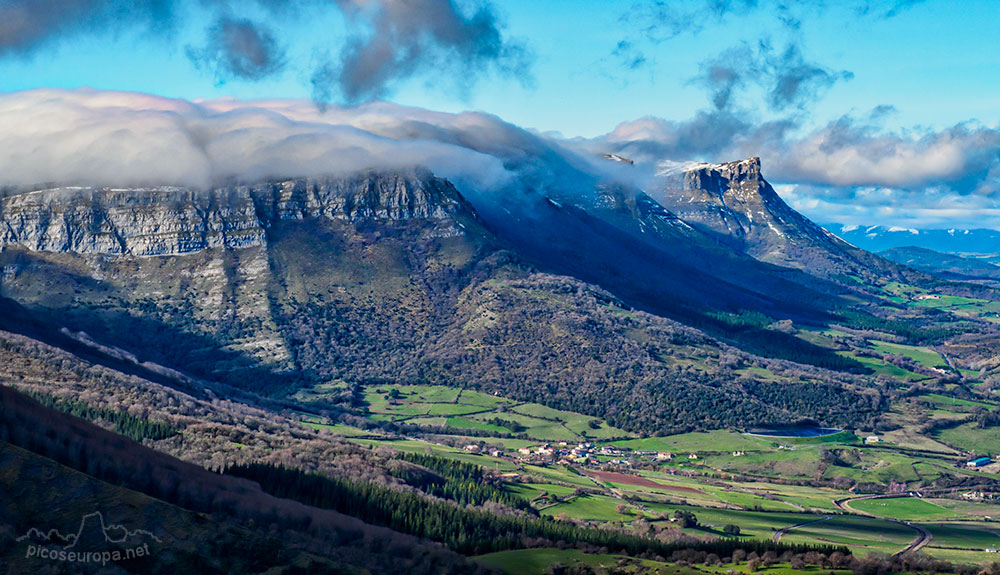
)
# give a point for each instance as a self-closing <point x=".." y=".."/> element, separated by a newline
<point x="172" y="221"/>
<point x="733" y="202"/>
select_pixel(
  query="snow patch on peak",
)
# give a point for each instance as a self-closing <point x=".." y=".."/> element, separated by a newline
<point x="849" y="228"/>
<point x="899" y="229"/>
<point x="672" y="168"/>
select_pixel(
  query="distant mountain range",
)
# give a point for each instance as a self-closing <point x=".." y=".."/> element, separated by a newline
<point x="949" y="266"/>
<point x="954" y="241"/>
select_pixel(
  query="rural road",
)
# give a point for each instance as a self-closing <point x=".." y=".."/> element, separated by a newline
<point x="923" y="539"/>
<point x="777" y="534"/>
<point x="923" y="536"/>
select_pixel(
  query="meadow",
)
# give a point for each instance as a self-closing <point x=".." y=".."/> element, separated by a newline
<point x="762" y="484"/>
<point x="903" y="508"/>
<point x="440" y="407"/>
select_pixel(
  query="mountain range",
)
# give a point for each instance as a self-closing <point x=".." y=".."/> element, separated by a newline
<point x="610" y="302"/>
<point x="949" y="266"/>
<point x="954" y="241"/>
<point x="296" y="335"/>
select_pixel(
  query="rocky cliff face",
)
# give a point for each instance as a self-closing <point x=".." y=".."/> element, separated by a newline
<point x="733" y="202"/>
<point x="172" y="221"/>
<point x="308" y="288"/>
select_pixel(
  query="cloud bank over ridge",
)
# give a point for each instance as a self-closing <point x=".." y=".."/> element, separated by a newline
<point x="848" y="170"/>
<point x="90" y="137"/>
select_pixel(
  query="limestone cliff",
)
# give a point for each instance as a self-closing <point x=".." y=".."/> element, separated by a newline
<point x="172" y="221"/>
<point x="733" y="202"/>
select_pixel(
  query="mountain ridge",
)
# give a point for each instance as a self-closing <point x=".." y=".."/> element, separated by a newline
<point x="171" y="220"/>
<point x="319" y="296"/>
<point x="879" y="238"/>
<point x="947" y="266"/>
<point x="734" y="203"/>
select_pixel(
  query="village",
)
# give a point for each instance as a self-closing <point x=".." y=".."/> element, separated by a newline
<point x="585" y="454"/>
<point x="612" y="457"/>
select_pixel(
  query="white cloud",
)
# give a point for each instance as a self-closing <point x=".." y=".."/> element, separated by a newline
<point x="118" y="138"/>
<point x="844" y="155"/>
<point x="844" y="172"/>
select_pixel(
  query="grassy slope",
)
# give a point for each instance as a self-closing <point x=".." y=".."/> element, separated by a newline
<point x="904" y="508"/>
<point x="591" y="508"/>
<point x="971" y="437"/>
<point x="435" y="405"/>
<point x="923" y="355"/>
<point x="718" y="440"/>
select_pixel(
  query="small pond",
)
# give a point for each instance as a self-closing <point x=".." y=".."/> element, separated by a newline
<point x="795" y="431"/>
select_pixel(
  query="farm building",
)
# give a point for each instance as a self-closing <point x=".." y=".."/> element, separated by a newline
<point x="980" y="462"/>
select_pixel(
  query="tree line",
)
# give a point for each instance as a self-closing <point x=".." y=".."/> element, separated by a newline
<point x="463" y="483"/>
<point x="122" y="422"/>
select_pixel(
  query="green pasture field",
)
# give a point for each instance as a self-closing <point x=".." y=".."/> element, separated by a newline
<point x="880" y="465"/>
<point x="559" y="474"/>
<point x="800" y="463"/>
<point x="862" y="535"/>
<point x="821" y="338"/>
<point x="575" y="422"/>
<point x="986" y="509"/>
<point x="436" y="405"/>
<point x="541" y="429"/>
<point x="904" y="508"/>
<point x="708" y="495"/>
<point x="964" y="535"/>
<point x="841" y="437"/>
<point x="507" y="443"/>
<point x="922" y="355"/>
<point x="945" y="401"/>
<point x="964" y="542"/>
<point x="810" y="498"/>
<point x="654" y="494"/>
<point x="698" y="441"/>
<point x="411" y="446"/>
<point x="759" y="373"/>
<point x="341" y="429"/>
<point x="592" y="508"/>
<point x="532" y="491"/>
<point x="971" y="437"/>
<point x="753" y="524"/>
<point x="881" y="367"/>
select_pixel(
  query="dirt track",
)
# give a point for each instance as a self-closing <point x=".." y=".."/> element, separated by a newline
<point x="924" y="536"/>
<point x="777" y="534"/>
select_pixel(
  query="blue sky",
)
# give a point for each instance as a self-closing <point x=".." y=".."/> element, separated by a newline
<point x="935" y="63"/>
<point x="581" y="68"/>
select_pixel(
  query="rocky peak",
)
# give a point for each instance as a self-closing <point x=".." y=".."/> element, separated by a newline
<point x="728" y="199"/>
<point x="737" y="186"/>
<point x="173" y="220"/>
<point x="733" y="202"/>
<point x="722" y="175"/>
